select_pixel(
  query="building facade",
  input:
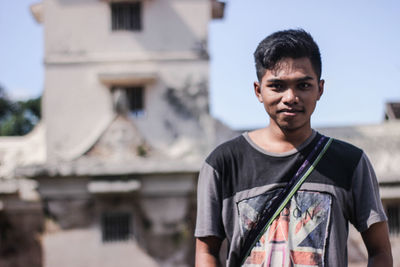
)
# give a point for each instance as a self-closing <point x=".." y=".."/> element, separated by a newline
<point x="125" y="128"/>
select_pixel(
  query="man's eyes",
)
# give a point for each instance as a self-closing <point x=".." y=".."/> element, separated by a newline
<point x="276" y="86"/>
<point x="304" y="86"/>
<point x="279" y="86"/>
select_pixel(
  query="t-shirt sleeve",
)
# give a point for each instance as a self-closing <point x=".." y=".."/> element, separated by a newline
<point x="367" y="204"/>
<point x="209" y="203"/>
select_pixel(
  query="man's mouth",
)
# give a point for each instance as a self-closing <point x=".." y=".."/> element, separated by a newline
<point x="290" y="111"/>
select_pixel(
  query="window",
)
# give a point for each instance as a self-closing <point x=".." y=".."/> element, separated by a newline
<point x="116" y="227"/>
<point x="135" y="99"/>
<point x="129" y="99"/>
<point x="393" y="213"/>
<point x="126" y="16"/>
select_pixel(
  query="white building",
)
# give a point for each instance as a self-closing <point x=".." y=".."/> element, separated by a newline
<point x="125" y="129"/>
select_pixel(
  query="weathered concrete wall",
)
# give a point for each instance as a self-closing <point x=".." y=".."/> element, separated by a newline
<point x="83" y="28"/>
<point x="80" y="49"/>
<point x="85" y="249"/>
<point x="162" y="211"/>
<point x="78" y="106"/>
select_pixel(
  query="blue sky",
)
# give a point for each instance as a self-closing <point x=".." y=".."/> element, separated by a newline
<point x="359" y="42"/>
<point x="21" y="50"/>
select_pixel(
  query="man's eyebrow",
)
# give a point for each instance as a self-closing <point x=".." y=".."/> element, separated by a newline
<point x="274" y="80"/>
<point x="306" y="78"/>
<point x="302" y="79"/>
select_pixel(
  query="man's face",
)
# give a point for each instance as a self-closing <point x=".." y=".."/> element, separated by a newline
<point x="289" y="93"/>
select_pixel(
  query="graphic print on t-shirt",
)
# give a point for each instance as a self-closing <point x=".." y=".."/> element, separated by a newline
<point x="298" y="235"/>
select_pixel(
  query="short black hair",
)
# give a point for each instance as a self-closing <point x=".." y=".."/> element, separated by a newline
<point x="288" y="43"/>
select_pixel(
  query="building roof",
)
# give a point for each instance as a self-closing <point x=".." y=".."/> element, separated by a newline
<point x="392" y="111"/>
<point x="123" y="150"/>
<point x="22" y="151"/>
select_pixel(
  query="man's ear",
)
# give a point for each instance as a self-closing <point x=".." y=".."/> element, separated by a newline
<point x="257" y="91"/>
<point x="321" y="84"/>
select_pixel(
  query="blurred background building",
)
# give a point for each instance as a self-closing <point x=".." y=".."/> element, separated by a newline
<point x="108" y="177"/>
<point x="125" y="128"/>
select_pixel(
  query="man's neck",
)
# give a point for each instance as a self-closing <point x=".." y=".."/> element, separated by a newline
<point x="277" y="140"/>
<point x="293" y="136"/>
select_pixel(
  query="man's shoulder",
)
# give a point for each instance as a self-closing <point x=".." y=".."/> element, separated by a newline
<point x="345" y="150"/>
<point x="227" y="150"/>
<point x="342" y="158"/>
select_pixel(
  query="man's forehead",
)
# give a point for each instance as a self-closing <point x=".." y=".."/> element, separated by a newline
<point x="290" y="66"/>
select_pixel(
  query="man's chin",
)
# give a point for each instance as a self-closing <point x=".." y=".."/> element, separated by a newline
<point x="287" y="128"/>
<point x="291" y="127"/>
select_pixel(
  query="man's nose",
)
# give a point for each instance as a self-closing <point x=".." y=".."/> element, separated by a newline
<point x="290" y="96"/>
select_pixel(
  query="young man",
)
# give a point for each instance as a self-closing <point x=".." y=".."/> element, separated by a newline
<point x="242" y="177"/>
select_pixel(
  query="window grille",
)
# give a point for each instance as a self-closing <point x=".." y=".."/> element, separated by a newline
<point x="116" y="227"/>
<point x="393" y="213"/>
<point x="135" y="97"/>
<point x="126" y="16"/>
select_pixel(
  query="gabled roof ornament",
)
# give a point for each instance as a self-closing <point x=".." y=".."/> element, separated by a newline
<point x="37" y="11"/>
<point x="392" y="111"/>
<point x="217" y="9"/>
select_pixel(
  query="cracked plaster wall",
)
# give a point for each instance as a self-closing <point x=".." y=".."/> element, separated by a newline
<point x="77" y="107"/>
<point x="83" y="28"/>
<point x="162" y="209"/>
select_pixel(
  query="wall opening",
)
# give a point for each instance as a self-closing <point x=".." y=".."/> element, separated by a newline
<point x="129" y="100"/>
<point x="393" y="213"/>
<point x="126" y="16"/>
<point x="116" y="226"/>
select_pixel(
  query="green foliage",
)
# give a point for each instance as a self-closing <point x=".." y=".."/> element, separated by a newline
<point x="18" y="118"/>
<point x="5" y="105"/>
